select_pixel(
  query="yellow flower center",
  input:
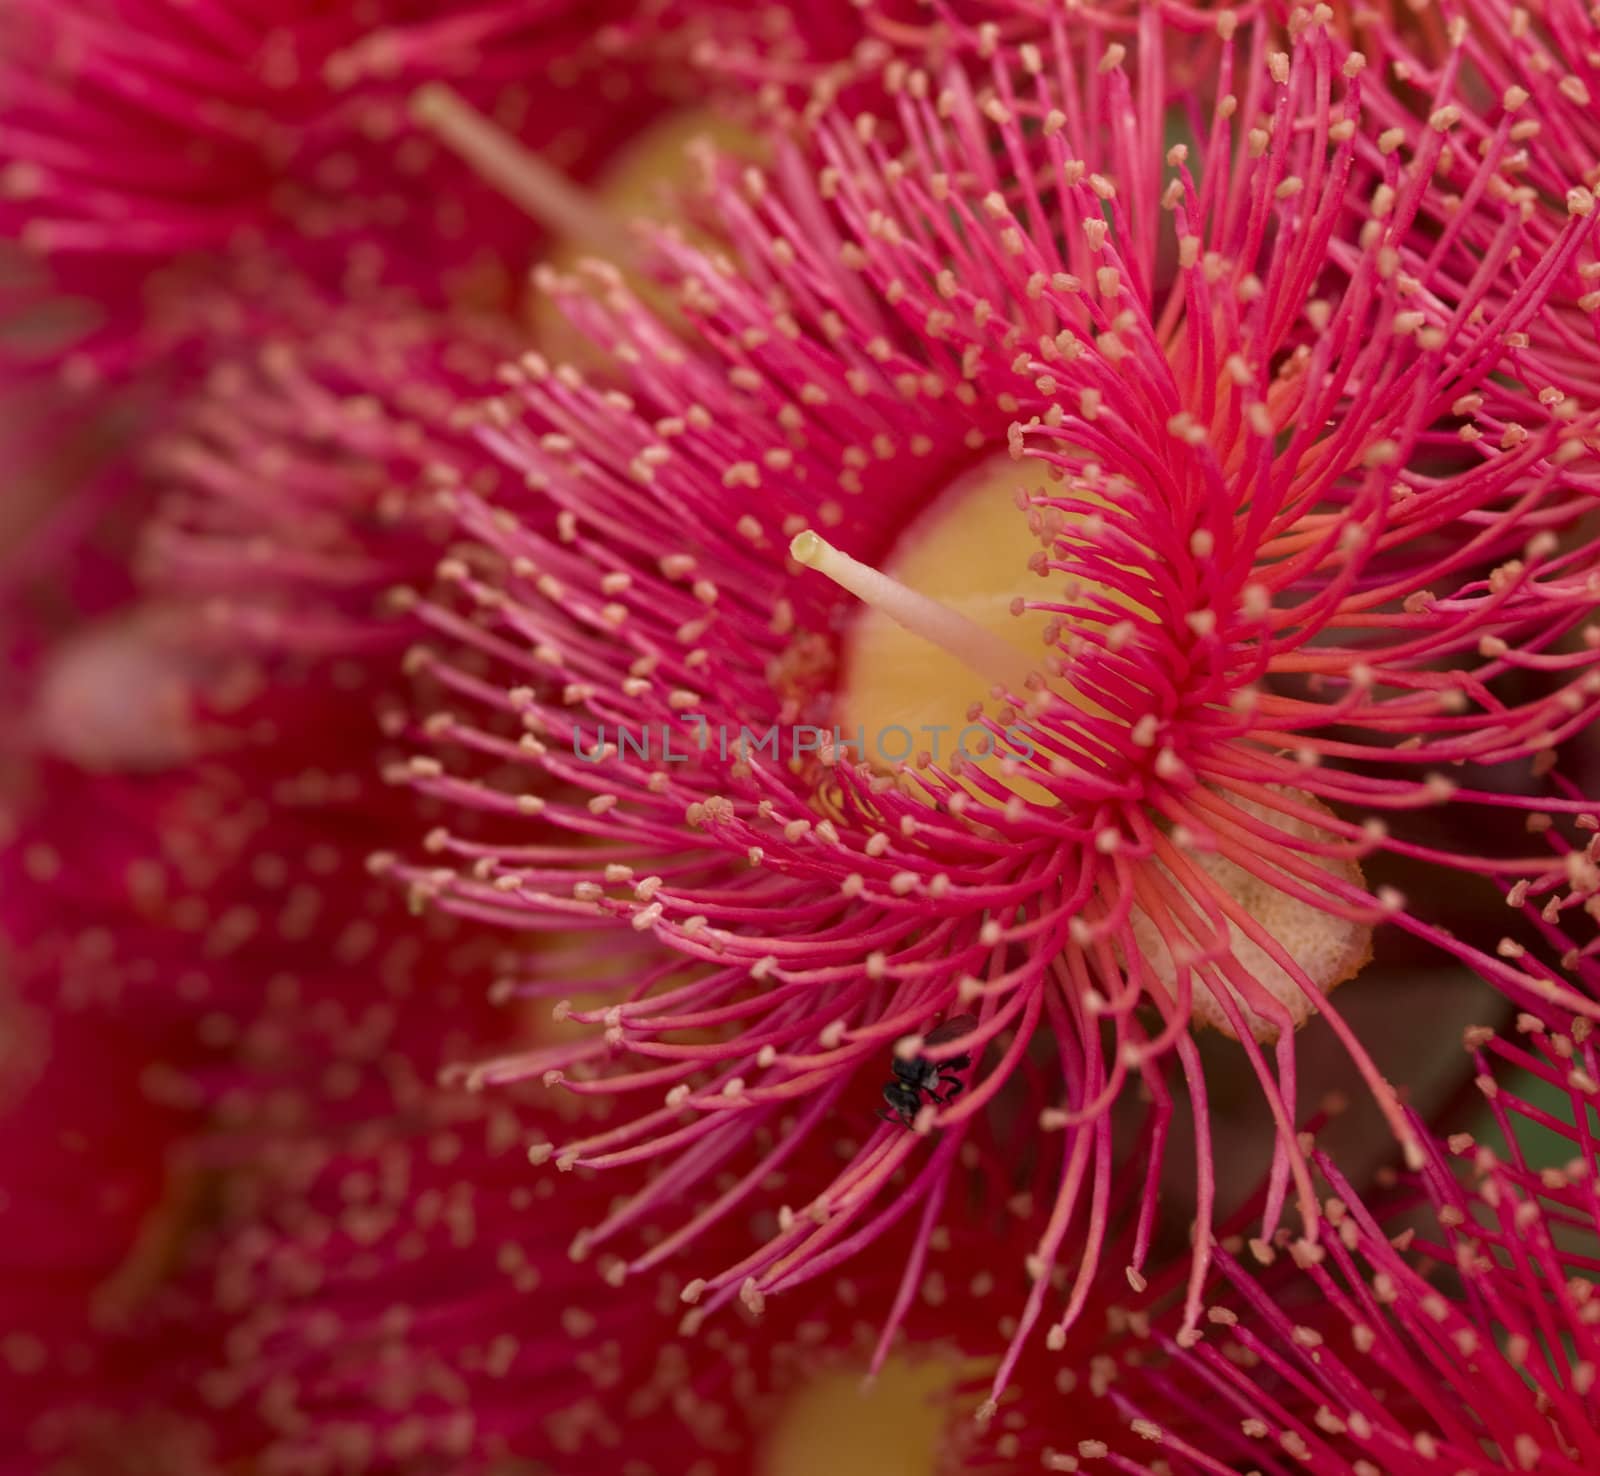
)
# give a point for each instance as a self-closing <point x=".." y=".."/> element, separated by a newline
<point x="836" y="1426"/>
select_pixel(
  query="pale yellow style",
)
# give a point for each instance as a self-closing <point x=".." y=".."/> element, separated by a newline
<point x="646" y="179"/>
<point x="969" y="551"/>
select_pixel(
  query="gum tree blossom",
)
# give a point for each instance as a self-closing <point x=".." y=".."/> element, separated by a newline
<point x="1206" y="407"/>
<point x="164" y="170"/>
<point x="165" y="174"/>
<point x="148" y="157"/>
<point x="225" y="705"/>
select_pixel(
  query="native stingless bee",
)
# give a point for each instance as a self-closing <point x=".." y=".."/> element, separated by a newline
<point x="918" y="1076"/>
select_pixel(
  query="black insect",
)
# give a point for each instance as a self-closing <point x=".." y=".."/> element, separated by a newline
<point x="918" y="1076"/>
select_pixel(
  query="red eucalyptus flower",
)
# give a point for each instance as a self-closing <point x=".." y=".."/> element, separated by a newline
<point x="149" y="151"/>
<point x="1275" y="386"/>
<point x="171" y="168"/>
<point x="1294" y="477"/>
<point x="153" y="151"/>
